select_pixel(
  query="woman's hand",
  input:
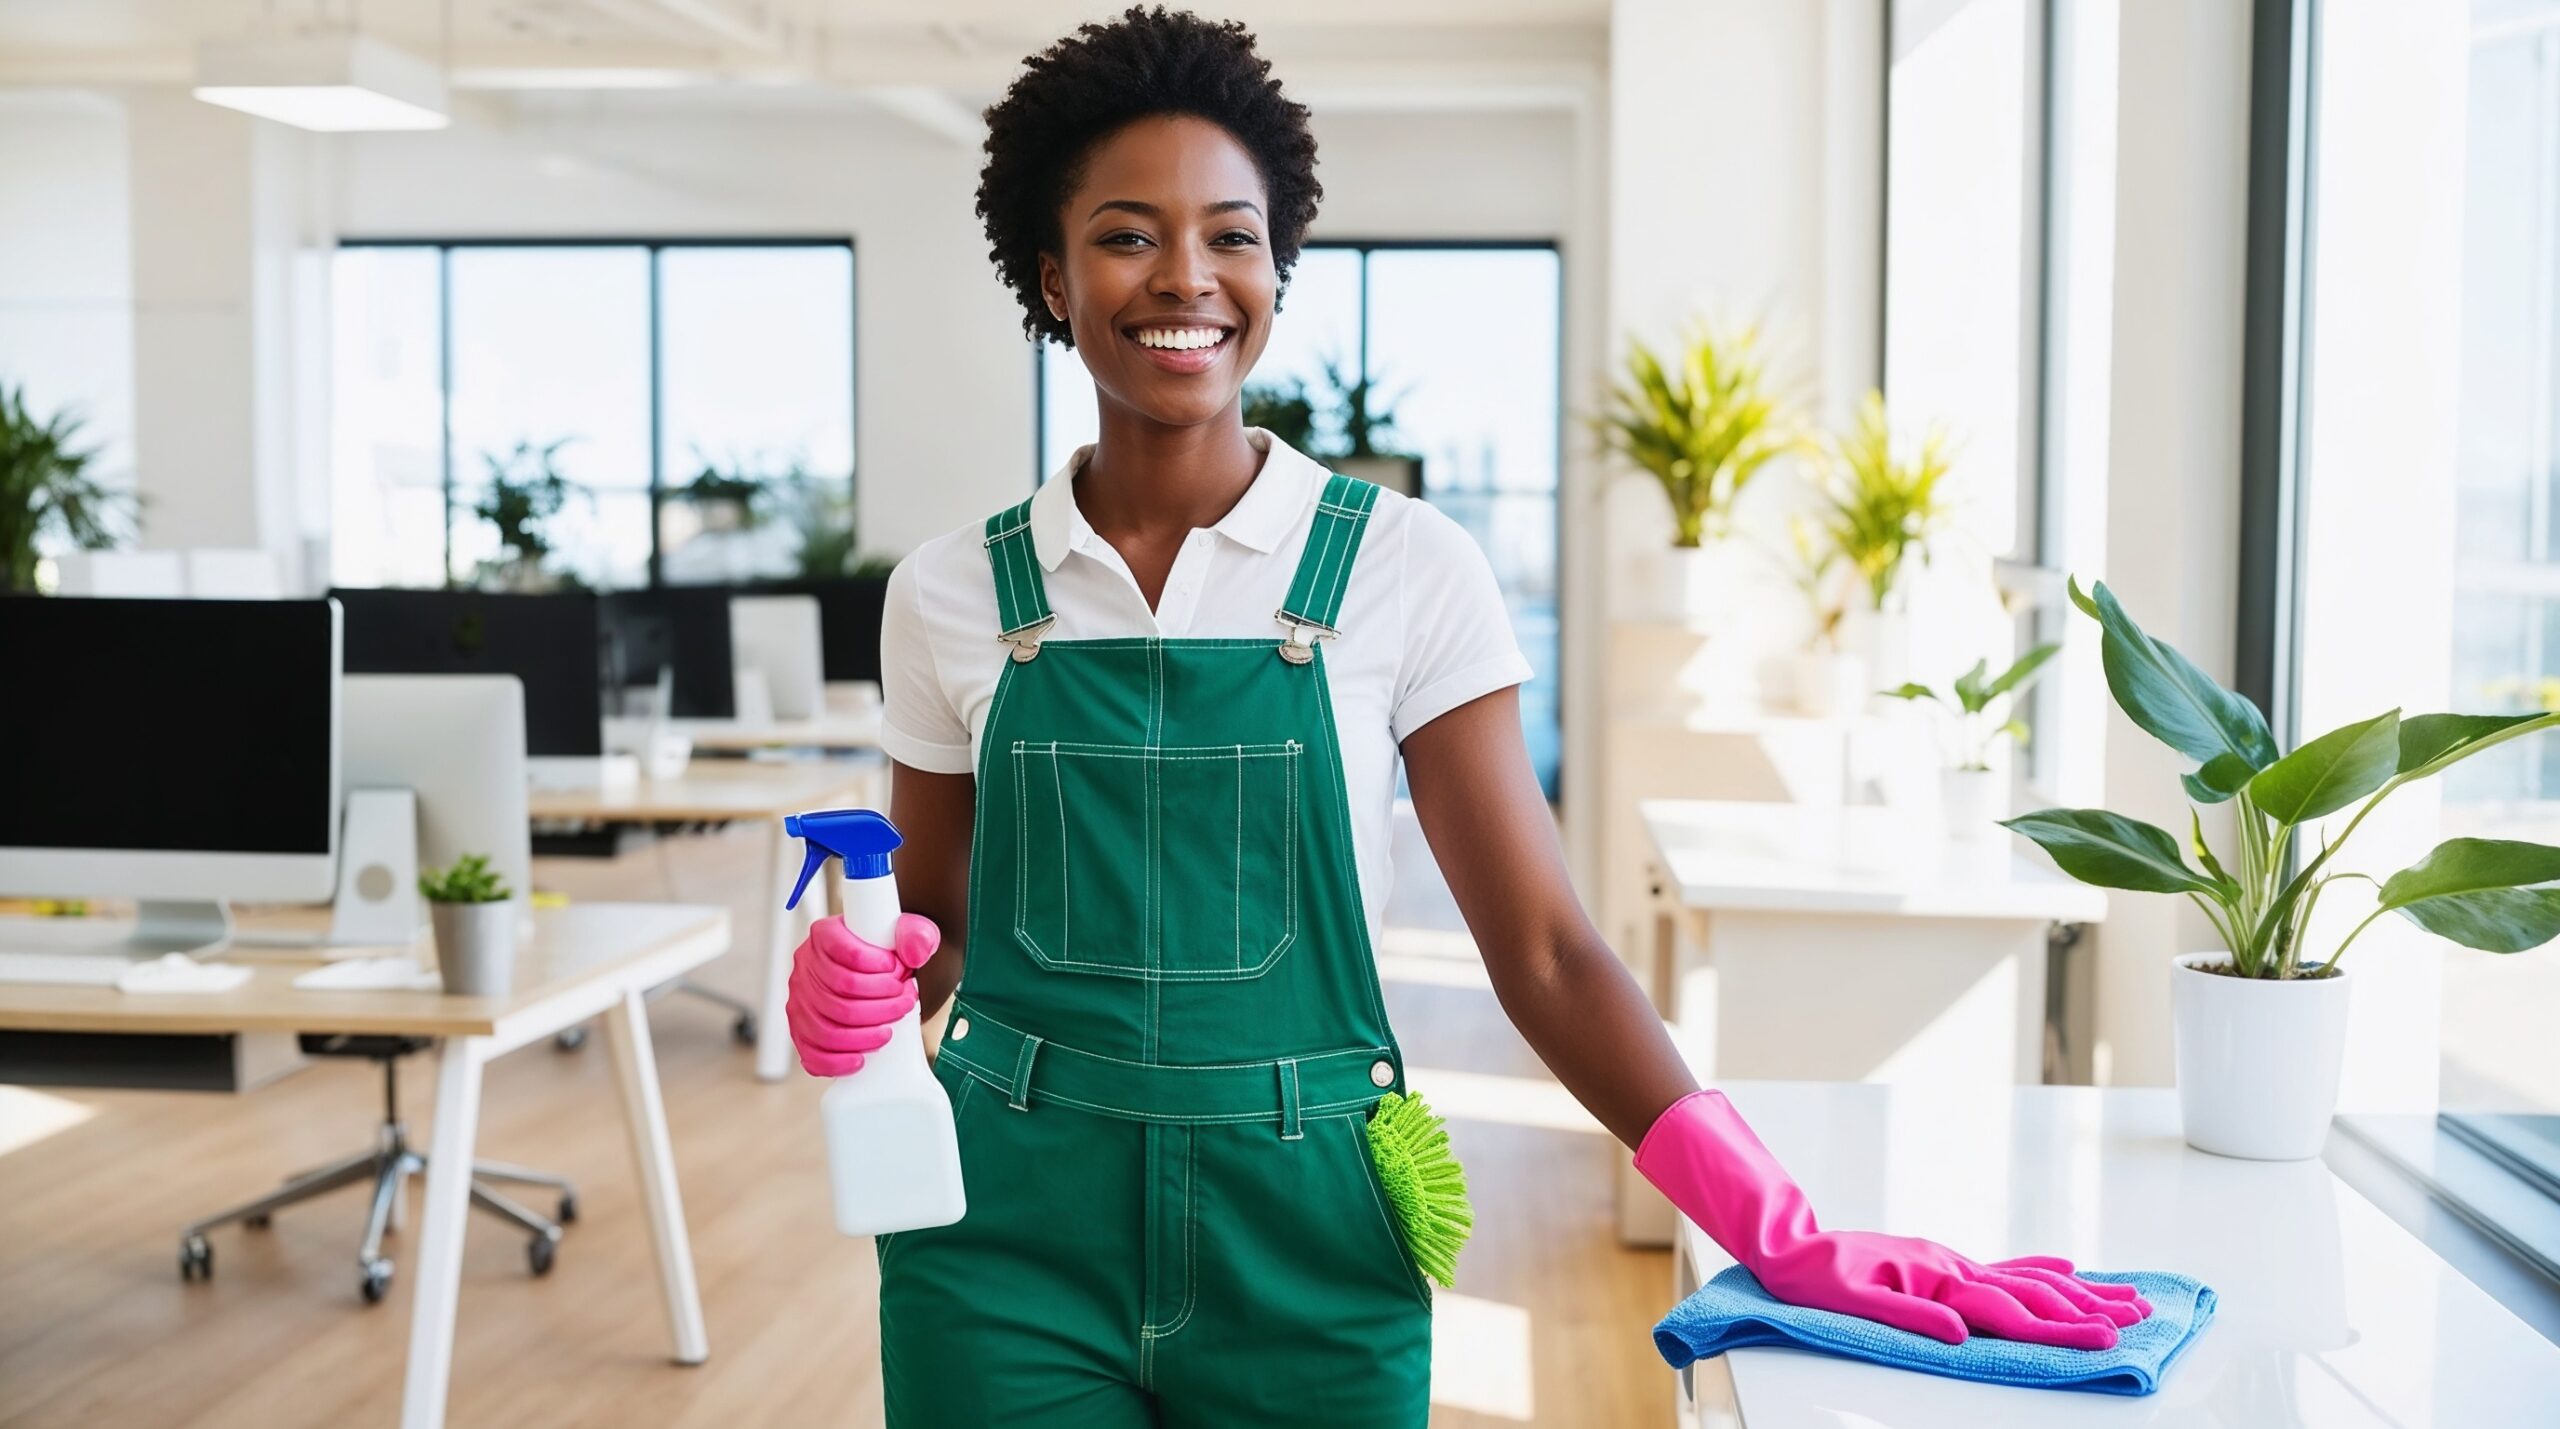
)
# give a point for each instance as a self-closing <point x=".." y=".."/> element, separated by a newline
<point x="846" y="990"/>
<point x="1702" y="1156"/>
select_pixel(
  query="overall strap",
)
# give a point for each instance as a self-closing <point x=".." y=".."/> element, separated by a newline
<point x="1315" y="592"/>
<point x="1022" y="601"/>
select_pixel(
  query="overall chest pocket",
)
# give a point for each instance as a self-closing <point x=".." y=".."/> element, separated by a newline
<point x="1175" y="862"/>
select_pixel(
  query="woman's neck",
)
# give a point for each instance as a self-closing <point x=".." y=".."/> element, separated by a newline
<point x="1148" y="483"/>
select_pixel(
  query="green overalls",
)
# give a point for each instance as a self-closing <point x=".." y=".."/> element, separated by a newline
<point x="1164" y="1049"/>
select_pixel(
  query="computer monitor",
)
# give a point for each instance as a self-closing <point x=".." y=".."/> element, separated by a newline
<point x="182" y="752"/>
<point x="548" y="642"/>
<point x="680" y="629"/>
<point x="776" y="637"/>
<point x="848" y="621"/>
<point x="456" y="742"/>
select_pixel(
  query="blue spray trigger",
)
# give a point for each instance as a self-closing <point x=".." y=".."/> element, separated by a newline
<point x="862" y="838"/>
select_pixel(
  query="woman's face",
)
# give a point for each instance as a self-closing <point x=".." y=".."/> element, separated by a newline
<point x="1168" y="237"/>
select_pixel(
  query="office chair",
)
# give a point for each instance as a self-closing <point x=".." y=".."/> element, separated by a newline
<point x="388" y="1166"/>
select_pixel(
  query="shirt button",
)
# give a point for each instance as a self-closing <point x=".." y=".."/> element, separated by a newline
<point x="959" y="1028"/>
<point x="1382" y="1073"/>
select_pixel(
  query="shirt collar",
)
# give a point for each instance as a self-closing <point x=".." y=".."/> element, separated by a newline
<point x="1267" y="511"/>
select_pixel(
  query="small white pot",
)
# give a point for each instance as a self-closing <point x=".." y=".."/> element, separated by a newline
<point x="1973" y="801"/>
<point x="475" y="947"/>
<point x="1830" y="683"/>
<point x="1884" y="638"/>
<point x="2257" y="1060"/>
<point x="1684" y="582"/>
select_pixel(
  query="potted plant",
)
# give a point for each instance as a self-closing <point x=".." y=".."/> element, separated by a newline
<point x="1702" y="433"/>
<point x="46" y="490"/>
<point x="725" y="500"/>
<point x="1879" y="509"/>
<point x="1972" y="795"/>
<point x="1829" y="678"/>
<point x="1285" y="410"/>
<point x="524" y="490"/>
<point x="2260" y="1022"/>
<point x="474" y="915"/>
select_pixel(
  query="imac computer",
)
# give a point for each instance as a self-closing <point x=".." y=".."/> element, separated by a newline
<point x="179" y="752"/>
<point x="455" y="745"/>
<point x="548" y="642"/>
<point x="775" y="639"/>
<point x="679" y="632"/>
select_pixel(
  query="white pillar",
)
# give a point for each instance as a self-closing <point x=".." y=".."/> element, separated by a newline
<point x="2173" y="452"/>
<point x="218" y="210"/>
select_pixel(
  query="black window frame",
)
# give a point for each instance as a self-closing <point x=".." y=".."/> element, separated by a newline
<point x="655" y="246"/>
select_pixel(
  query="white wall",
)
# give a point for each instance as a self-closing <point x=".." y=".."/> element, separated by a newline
<point x="66" y="265"/>
<point x="2173" y="451"/>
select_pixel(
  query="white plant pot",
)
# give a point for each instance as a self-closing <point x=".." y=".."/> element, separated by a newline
<point x="475" y="947"/>
<point x="1683" y="582"/>
<point x="1973" y="801"/>
<point x="2257" y="1060"/>
<point x="1830" y="683"/>
<point x="1884" y="638"/>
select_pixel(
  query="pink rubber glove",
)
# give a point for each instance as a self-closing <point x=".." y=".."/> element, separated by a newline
<point x="1701" y="1155"/>
<point x="846" y="990"/>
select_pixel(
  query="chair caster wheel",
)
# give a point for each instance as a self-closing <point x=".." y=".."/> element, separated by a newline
<point x="568" y="1208"/>
<point x="376" y="1282"/>
<point x="195" y="1258"/>
<point x="744" y="1029"/>
<point x="538" y="1253"/>
<point x="570" y="1039"/>
<point x="256" y="1223"/>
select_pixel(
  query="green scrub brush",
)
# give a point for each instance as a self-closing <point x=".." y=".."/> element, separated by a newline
<point x="1423" y="1181"/>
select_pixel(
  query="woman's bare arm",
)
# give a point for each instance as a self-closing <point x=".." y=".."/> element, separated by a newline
<point x="935" y="814"/>
<point x="1490" y="828"/>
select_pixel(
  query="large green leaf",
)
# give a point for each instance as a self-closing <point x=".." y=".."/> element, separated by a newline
<point x="2478" y="893"/>
<point x="1969" y="691"/>
<point x="2221" y="777"/>
<point x="2164" y="694"/>
<point x="2110" y="850"/>
<point x="2330" y="772"/>
<point x="2430" y="742"/>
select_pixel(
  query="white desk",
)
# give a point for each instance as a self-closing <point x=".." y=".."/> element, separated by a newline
<point x="831" y="732"/>
<point x="1857" y="943"/>
<point x="581" y="960"/>
<point x="719" y="791"/>
<point x="2331" y="1314"/>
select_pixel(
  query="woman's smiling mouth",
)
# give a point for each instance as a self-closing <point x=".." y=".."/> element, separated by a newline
<point x="1188" y="347"/>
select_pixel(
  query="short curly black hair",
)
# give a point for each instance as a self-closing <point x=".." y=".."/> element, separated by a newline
<point x="1095" y="82"/>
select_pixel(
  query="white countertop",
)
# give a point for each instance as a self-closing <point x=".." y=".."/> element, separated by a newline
<point x="2330" y="1314"/>
<point x="1805" y="858"/>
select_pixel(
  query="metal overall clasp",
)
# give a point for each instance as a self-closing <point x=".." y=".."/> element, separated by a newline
<point x="1026" y="641"/>
<point x="1300" y="647"/>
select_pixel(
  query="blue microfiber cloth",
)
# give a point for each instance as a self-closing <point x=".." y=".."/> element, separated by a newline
<point x="1732" y="1312"/>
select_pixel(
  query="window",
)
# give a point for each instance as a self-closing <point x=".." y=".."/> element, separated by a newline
<point x="2407" y="390"/>
<point x="1462" y="345"/>
<point x="628" y="369"/>
<point x="1998" y="230"/>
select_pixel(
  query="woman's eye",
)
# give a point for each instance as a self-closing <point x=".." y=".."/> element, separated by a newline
<point x="1247" y="236"/>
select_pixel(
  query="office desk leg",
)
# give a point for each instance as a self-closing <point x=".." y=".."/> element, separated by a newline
<point x="644" y="1115"/>
<point x="773" y="1032"/>
<point x="439" y="1242"/>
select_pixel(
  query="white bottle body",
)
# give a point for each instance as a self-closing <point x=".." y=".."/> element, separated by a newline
<point x="893" y="1157"/>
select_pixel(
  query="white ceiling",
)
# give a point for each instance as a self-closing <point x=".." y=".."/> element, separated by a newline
<point x="1359" y="54"/>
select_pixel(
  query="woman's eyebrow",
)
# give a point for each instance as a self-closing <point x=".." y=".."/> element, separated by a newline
<point x="1151" y="211"/>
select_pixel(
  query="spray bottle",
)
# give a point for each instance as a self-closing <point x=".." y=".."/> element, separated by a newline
<point x="893" y="1160"/>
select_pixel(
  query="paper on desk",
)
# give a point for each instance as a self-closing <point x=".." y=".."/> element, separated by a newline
<point x="394" y="974"/>
<point x="176" y="972"/>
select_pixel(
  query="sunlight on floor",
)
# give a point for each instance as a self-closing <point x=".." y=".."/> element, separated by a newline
<point x="27" y="1117"/>
<point x="1513" y="1101"/>
<point x="1480" y="1357"/>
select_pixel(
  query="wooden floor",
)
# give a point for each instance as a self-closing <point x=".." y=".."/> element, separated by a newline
<point x="1548" y="1325"/>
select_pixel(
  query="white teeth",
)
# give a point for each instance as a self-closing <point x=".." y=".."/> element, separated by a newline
<point x="1180" y="339"/>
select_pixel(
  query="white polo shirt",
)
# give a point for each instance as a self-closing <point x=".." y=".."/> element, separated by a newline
<point x="1423" y="625"/>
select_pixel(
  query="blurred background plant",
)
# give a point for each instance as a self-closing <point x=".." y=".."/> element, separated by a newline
<point x="46" y="490"/>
